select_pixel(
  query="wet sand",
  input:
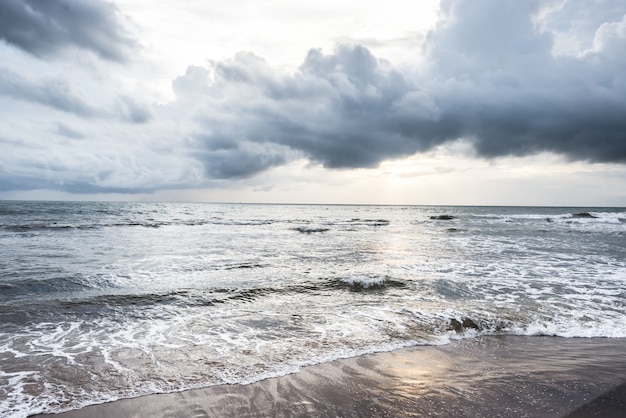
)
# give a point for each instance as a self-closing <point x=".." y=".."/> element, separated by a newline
<point x="484" y="377"/>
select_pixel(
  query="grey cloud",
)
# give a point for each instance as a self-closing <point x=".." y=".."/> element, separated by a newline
<point x="12" y="182"/>
<point x="577" y="21"/>
<point x="240" y="162"/>
<point x="132" y="111"/>
<point x="523" y="100"/>
<point x="8" y="183"/>
<point x="64" y="130"/>
<point x="342" y="110"/>
<point x="60" y="95"/>
<point x="79" y="187"/>
<point x="52" y="93"/>
<point x="491" y="79"/>
<point x="13" y="142"/>
<point x="486" y="35"/>
<point x="195" y="81"/>
<point x="45" y="28"/>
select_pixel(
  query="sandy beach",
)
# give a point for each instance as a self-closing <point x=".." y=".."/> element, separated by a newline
<point x="506" y="376"/>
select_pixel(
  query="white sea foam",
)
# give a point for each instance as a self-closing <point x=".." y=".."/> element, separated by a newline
<point x="365" y="281"/>
<point x="18" y="403"/>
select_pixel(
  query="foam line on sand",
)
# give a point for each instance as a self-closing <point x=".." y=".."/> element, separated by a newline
<point x="505" y="376"/>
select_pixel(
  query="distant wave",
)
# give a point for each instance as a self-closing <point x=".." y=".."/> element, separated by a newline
<point x="365" y="281"/>
<point x="310" y="229"/>
<point x="582" y="218"/>
<point x="55" y="226"/>
<point x="86" y="303"/>
<point x="369" y="222"/>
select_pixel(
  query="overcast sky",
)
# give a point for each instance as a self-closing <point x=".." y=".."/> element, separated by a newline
<point x="502" y="102"/>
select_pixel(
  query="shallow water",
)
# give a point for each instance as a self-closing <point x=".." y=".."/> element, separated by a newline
<point x="100" y="301"/>
<point x="491" y="376"/>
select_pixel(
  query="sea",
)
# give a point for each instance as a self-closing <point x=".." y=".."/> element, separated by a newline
<point x="104" y="300"/>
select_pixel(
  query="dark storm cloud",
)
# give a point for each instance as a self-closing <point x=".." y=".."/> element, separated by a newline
<point x="492" y="79"/>
<point x="499" y="83"/>
<point x="347" y="109"/>
<point x="45" y="28"/>
<point x="239" y="163"/>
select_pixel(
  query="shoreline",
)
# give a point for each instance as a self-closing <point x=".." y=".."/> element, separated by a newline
<point x="486" y="376"/>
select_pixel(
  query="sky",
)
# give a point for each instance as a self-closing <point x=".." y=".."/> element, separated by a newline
<point x="451" y="102"/>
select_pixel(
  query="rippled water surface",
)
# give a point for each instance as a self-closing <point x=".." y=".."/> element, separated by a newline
<point x="100" y="301"/>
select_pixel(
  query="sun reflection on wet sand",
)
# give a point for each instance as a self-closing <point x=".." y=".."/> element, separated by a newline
<point x="487" y="376"/>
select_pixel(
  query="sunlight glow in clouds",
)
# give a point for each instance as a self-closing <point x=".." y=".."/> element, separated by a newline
<point x="458" y="102"/>
<point x="191" y="33"/>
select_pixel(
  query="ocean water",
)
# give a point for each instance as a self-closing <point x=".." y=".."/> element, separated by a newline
<point x="102" y="301"/>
